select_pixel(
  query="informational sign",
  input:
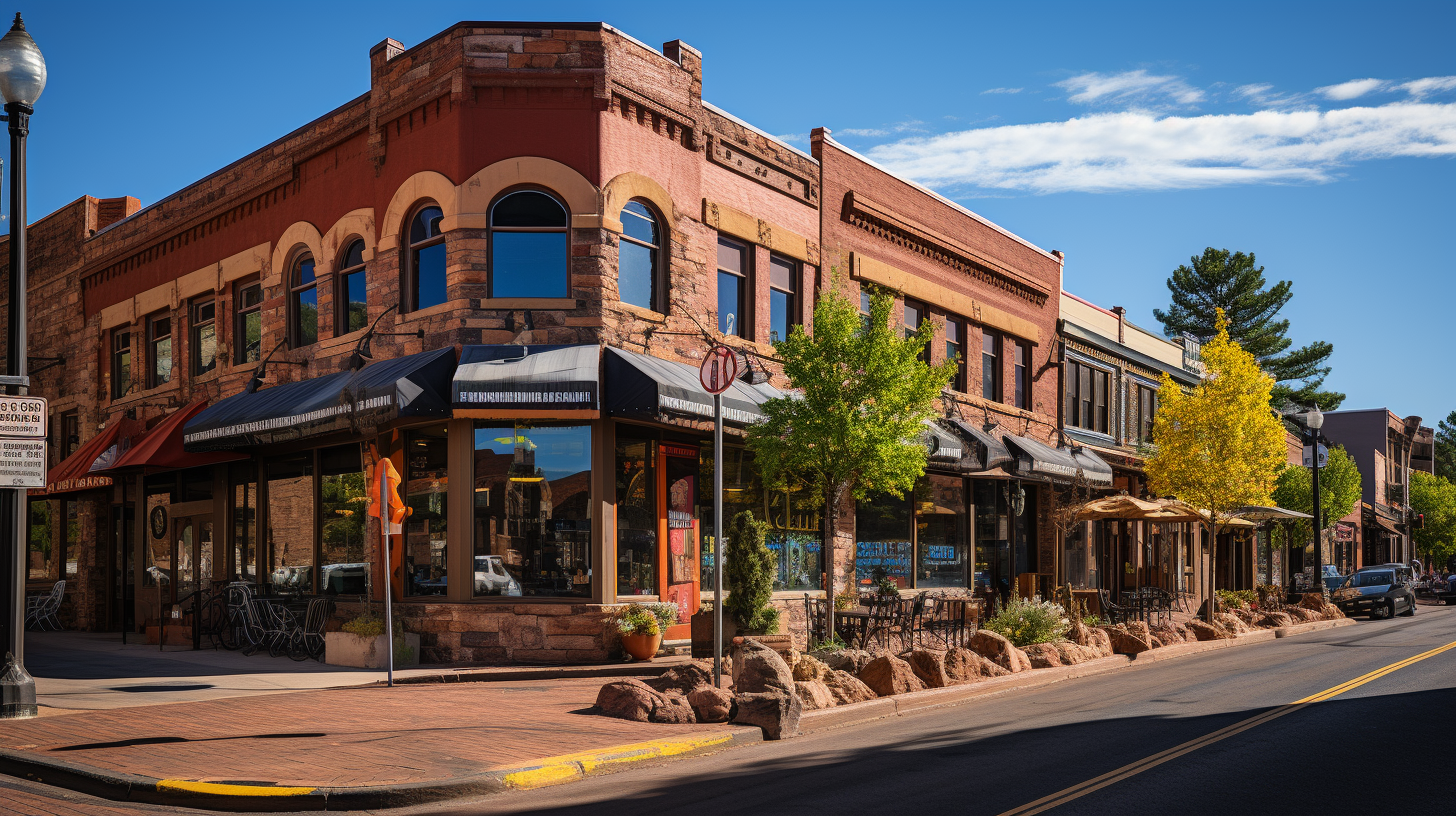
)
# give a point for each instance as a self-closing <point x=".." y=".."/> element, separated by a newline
<point x="24" y="417"/>
<point x="1324" y="456"/>
<point x="719" y="369"/>
<point x="22" y="463"/>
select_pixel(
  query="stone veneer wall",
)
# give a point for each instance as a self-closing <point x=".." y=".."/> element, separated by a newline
<point x="496" y="633"/>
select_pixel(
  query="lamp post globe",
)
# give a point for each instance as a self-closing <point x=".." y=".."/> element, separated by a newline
<point x="1314" y="420"/>
<point x="22" y="78"/>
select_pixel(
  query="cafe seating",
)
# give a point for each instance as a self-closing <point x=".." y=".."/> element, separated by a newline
<point x="40" y="610"/>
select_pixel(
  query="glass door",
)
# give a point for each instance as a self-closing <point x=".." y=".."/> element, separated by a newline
<point x="678" y="519"/>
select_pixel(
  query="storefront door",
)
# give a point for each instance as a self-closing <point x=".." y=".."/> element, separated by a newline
<point x="192" y="554"/>
<point x="679" y="539"/>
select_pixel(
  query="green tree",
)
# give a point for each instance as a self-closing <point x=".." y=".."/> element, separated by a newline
<point x="1446" y="448"/>
<point x="748" y="571"/>
<point x="1232" y="282"/>
<point x="1339" y="491"/>
<point x="1219" y="447"/>
<point x="856" y="426"/>
<point x="1435" y="498"/>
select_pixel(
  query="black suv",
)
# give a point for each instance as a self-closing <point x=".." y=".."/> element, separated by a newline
<point x="1380" y="592"/>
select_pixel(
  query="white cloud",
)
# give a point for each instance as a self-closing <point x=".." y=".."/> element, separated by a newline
<point x="1354" y="89"/>
<point x="1138" y="150"/>
<point x="908" y="126"/>
<point x="1002" y="91"/>
<point x="1129" y="87"/>
<point x="1422" y="88"/>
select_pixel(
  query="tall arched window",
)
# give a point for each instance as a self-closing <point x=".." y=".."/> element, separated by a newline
<point x="528" y="247"/>
<point x="640" y="271"/>
<point x="349" y="294"/>
<point x="424" y="283"/>
<point x="303" y="304"/>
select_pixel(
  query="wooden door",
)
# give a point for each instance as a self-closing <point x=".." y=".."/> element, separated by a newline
<point x="679" y="564"/>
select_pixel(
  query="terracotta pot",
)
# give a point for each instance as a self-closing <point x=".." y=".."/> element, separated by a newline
<point x="641" y="647"/>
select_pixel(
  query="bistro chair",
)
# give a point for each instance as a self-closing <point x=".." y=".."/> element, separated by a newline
<point x="947" y="621"/>
<point x="816" y="617"/>
<point x="40" y="610"/>
<point x="1115" y="612"/>
<point x="884" y="615"/>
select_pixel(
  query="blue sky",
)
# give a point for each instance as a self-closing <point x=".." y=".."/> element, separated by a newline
<point x="1129" y="136"/>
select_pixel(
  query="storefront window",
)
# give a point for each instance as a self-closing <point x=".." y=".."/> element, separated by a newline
<point x="243" y="478"/>
<point x="343" y="497"/>
<point x="157" y="549"/>
<point x="1079" y="556"/>
<point x="532" y="503"/>
<point x="795" y="520"/>
<point x="291" y="523"/>
<point x="942" y="556"/>
<point x="636" y="478"/>
<point x="73" y="537"/>
<point x="993" y="537"/>
<point x="882" y="541"/>
<point x="38" y="556"/>
<point x="427" y="488"/>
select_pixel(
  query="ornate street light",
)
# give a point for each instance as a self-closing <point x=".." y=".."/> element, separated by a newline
<point x="1314" y="420"/>
<point x="22" y="78"/>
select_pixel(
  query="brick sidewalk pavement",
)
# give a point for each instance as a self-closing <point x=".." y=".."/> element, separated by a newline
<point x="341" y="737"/>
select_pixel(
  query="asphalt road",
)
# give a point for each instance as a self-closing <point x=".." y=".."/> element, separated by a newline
<point x="1370" y="748"/>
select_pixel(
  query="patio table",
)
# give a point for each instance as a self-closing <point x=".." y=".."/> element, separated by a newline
<point x="852" y="625"/>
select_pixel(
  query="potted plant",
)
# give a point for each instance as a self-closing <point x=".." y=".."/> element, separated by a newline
<point x="642" y="624"/>
<point x="361" y="643"/>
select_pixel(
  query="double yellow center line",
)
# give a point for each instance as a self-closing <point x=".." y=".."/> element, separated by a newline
<point x="1082" y="789"/>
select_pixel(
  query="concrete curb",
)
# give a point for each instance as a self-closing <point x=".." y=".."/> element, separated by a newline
<point x="119" y="786"/>
<point x="635" y="669"/>
<point x="1312" y="626"/>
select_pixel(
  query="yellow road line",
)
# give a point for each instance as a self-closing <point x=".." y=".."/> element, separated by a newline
<point x="220" y="789"/>
<point x="1147" y="763"/>
<point x="553" y="770"/>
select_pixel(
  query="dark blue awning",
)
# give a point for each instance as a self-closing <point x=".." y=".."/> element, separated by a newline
<point x="643" y="386"/>
<point x="348" y="401"/>
<point x="555" y="377"/>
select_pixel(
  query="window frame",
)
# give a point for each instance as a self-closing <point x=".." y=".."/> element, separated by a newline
<point x="296" y="290"/>
<point x="492" y="229"/>
<point x="409" y="289"/>
<point x="342" y="289"/>
<point x="957" y="348"/>
<point x="659" y="297"/>
<point x="744" y="327"/>
<point x="241" y="313"/>
<point x="155" y="378"/>
<point x="195" y="325"/>
<point x="1021" y="375"/>
<point x="121" y="346"/>
<point x="991" y="374"/>
<point x="1143" y="413"/>
<point x="1081" y="409"/>
<point x="791" y="318"/>
<point x="923" y="310"/>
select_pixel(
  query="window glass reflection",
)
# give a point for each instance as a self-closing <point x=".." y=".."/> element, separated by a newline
<point x="290" y="523"/>
<point x="636" y="485"/>
<point x="344" y="500"/>
<point x="427" y="485"/>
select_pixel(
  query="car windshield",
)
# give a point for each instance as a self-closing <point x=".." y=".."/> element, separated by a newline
<point x="1368" y="579"/>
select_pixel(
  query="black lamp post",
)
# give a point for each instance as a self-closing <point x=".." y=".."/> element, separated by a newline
<point x="22" y="78"/>
<point x="1315" y="420"/>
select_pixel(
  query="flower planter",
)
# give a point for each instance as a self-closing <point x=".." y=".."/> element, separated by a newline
<point x="348" y="649"/>
<point x="641" y="647"/>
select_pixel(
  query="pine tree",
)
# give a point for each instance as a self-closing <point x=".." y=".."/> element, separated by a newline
<point x="1446" y="448"/>
<point x="1231" y="281"/>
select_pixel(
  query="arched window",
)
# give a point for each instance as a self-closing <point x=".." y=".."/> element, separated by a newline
<point x="303" y="304"/>
<point x="349" y="294"/>
<point x="528" y="246"/>
<point x="424" y="283"/>
<point x="640" y="271"/>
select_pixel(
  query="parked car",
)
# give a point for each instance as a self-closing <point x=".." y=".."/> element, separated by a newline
<point x="1332" y="577"/>
<point x="1378" y="592"/>
<point x="491" y="577"/>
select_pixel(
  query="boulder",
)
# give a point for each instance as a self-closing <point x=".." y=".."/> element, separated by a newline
<point x="764" y="691"/>
<point x="1074" y="653"/>
<point x="1125" y="641"/>
<point x="683" y="678"/>
<point x="1097" y="640"/>
<point x="1331" y="612"/>
<point x="808" y="667"/>
<point x="929" y="667"/>
<point x="1203" y="630"/>
<point x="845" y="688"/>
<point x="1245" y="615"/>
<point x="998" y="650"/>
<point x="1168" y="634"/>
<point x="675" y="710"/>
<point x="887" y="675"/>
<point x="965" y="666"/>
<point x="1302" y="615"/>
<point x="757" y="668"/>
<point x="846" y="660"/>
<point x="1043" y="655"/>
<point x="635" y="700"/>
<point x="1273" y="620"/>
<point x="1314" y="601"/>
<point x="1232" y="623"/>
<point x="711" y="705"/>
<point x="813" y="694"/>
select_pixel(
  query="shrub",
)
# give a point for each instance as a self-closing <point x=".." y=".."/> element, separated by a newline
<point x="1024" y="622"/>
<point x="638" y="619"/>
<point x="749" y="575"/>
<point x="1236" y="598"/>
<point x="370" y="625"/>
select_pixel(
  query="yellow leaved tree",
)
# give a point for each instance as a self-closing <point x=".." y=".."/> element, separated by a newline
<point x="1220" y="446"/>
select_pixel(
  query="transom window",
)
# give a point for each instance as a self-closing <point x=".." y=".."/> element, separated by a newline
<point x="248" y="331"/>
<point x="425" y="266"/>
<point x="1086" y="397"/>
<point x="734" y="266"/>
<point x="783" y="298"/>
<point x="203" y="322"/>
<point x="349" y="292"/>
<point x="641" y="279"/>
<point x="159" y="350"/>
<point x="529" y="247"/>
<point x="303" y="304"/>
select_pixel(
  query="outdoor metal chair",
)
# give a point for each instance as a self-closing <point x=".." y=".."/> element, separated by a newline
<point x="41" y="610"/>
<point x="308" y="640"/>
<point x="816" y="617"/>
<point x="947" y="621"/>
<point x="1160" y="603"/>
<point x="884" y="613"/>
<point x="1115" y="612"/>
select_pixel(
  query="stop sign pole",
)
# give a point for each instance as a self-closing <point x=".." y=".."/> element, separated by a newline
<point x="717" y="373"/>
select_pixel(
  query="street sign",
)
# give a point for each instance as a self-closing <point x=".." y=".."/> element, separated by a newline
<point x="23" y="417"/>
<point x="719" y="369"/>
<point x="22" y="463"/>
<point x="1324" y="456"/>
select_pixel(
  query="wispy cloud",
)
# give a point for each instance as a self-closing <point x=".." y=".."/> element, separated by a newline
<point x="1422" y="88"/>
<point x="909" y="126"/>
<point x="1354" y="89"/>
<point x="1002" y="91"/>
<point x="1140" y="150"/>
<point x="1130" y="88"/>
<point x="1416" y="88"/>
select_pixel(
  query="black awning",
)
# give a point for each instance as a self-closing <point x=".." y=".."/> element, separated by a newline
<point x="986" y="450"/>
<point x="1038" y="460"/>
<point x="413" y="386"/>
<point x="942" y="447"/>
<point x="643" y="386"/>
<point x="528" y="377"/>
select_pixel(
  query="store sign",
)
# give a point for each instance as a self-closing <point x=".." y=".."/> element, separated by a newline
<point x="24" y="417"/>
<point x="22" y="462"/>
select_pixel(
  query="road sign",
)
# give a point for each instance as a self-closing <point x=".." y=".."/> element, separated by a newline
<point x="1324" y="456"/>
<point x="719" y="369"/>
<point x="23" y="417"/>
<point x="22" y="463"/>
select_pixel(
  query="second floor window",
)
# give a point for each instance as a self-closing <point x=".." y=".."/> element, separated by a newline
<point x="349" y="291"/>
<point x="120" y="363"/>
<point x="159" y="350"/>
<point x="639" y="259"/>
<point x="915" y="314"/>
<point x="1145" y="405"/>
<point x="954" y="350"/>
<point x="303" y="304"/>
<point x="1021" y="394"/>
<point x="529" y="255"/>
<point x="425" y="261"/>
<point x="864" y="310"/>
<point x="783" y="301"/>
<point x="203" y="321"/>
<point x="990" y="366"/>
<point x="733" y="272"/>
<point x="70" y="434"/>
<point x="1087" y="390"/>
<point x="248" y="328"/>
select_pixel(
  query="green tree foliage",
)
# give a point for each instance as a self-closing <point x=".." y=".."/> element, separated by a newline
<point x="1232" y="282"/>
<point x="865" y="395"/>
<point x="1434" y="497"/>
<point x="748" y="575"/>
<point x="1339" y="491"/>
<point x="1446" y="448"/>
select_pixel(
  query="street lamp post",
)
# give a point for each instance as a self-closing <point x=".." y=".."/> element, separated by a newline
<point x="1315" y="420"/>
<point x="22" y="78"/>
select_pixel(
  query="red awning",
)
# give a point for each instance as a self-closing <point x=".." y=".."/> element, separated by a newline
<point x="162" y="446"/>
<point x="75" y="472"/>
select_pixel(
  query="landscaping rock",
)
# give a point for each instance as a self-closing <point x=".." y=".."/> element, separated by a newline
<point x="1245" y="615"/>
<point x="847" y="660"/>
<point x="1331" y="612"/>
<point x="1125" y="641"/>
<point x="683" y="678"/>
<point x="1206" y="631"/>
<point x="808" y="667"/>
<point x="1314" y="601"/>
<point x="1043" y="655"/>
<point x="929" y="667"/>
<point x="1302" y="615"/>
<point x="846" y="688"/>
<point x="814" y="695"/>
<point x="965" y="666"/>
<point x="999" y="650"/>
<point x="1074" y="653"/>
<point x="1203" y="607"/>
<point x="1096" y="639"/>
<point x="1232" y="623"/>
<point x="757" y="668"/>
<point x="711" y="705"/>
<point x="1169" y="634"/>
<point x="635" y="700"/>
<point x="887" y="675"/>
<point x="675" y="710"/>
<point x="1273" y="620"/>
<point x="764" y="692"/>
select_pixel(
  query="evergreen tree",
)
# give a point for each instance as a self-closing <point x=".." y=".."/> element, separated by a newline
<point x="1446" y="448"/>
<point x="1231" y="281"/>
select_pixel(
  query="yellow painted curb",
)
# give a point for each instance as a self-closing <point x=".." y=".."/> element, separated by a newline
<point x="554" y="770"/>
<point x="220" y="789"/>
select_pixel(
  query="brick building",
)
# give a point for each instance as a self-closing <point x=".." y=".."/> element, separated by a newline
<point x="500" y="268"/>
<point x="1386" y="448"/>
